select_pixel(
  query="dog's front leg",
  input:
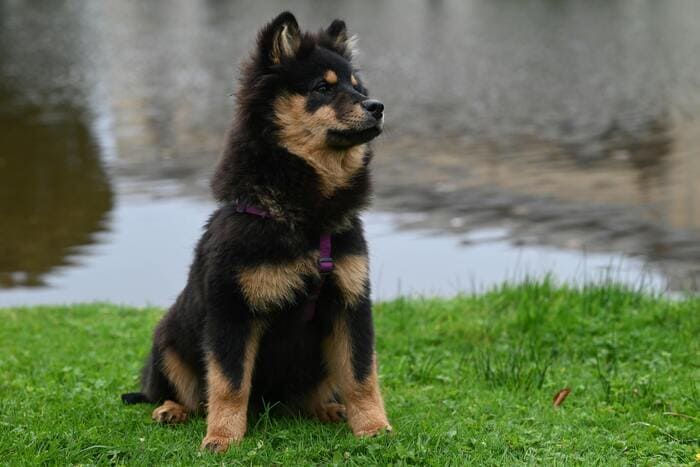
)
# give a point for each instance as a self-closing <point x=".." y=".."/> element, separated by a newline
<point x="352" y="366"/>
<point x="229" y="372"/>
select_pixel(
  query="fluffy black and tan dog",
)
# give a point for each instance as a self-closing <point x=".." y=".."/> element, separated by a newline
<point x="262" y="315"/>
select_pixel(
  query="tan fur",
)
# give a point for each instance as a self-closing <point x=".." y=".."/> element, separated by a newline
<point x="170" y="412"/>
<point x="285" y="44"/>
<point x="182" y="378"/>
<point x="304" y="135"/>
<point x="365" y="406"/>
<point x="321" y="404"/>
<point x="353" y="114"/>
<point x="227" y="407"/>
<point x="353" y="80"/>
<point x="363" y="400"/>
<point x="267" y="285"/>
<point x="329" y="412"/>
<point x="352" y="273"/>
<point x="330" y="77"/>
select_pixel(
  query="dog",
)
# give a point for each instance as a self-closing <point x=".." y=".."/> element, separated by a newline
<point x="277" y="303"/>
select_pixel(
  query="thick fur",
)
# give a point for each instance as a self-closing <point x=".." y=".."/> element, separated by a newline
<point x="298" y="149"/>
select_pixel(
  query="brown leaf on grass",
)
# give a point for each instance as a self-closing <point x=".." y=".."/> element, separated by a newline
<point x="560" y="396"/>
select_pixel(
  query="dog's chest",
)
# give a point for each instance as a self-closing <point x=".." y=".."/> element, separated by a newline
<point x="268" y="286"/>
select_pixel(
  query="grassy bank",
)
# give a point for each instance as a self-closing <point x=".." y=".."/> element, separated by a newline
<point x="468" y="380"/>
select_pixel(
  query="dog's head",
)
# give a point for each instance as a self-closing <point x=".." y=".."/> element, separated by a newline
<point x="300" y="92"/>
<point x="319" y="103"/>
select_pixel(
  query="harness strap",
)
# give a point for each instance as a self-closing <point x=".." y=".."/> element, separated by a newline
<point x="243" y="208"/>
<point x="325" y="260"/>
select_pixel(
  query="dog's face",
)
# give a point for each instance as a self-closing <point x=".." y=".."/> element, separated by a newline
<point x="321" y="107"/>
<point x="335" y="102"/>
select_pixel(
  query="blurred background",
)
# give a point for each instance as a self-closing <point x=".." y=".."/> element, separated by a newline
<point x="522" y="138"/>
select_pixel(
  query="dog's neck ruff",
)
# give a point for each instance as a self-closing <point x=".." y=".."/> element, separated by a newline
<point x="325" y="260"/>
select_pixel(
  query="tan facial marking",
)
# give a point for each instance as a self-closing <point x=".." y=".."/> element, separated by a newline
<point x="182" y="378"/>
<point x="330" y="77"/>
<point x="354" y="113"/>
<point x="351" y="273"/>
<point x="353" y="80"/>
<point x="227" y="415"/>
<point x="363" y="400"/>
<point x="304" y="134"/>
<point x="267" y="285"/>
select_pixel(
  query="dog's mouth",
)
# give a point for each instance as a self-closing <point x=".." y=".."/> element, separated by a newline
<point x="352" y="137"/>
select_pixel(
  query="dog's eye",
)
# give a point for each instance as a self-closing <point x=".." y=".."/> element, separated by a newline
<point x="322" y="87"/>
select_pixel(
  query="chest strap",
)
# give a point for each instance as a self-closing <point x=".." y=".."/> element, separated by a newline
<point x="325" y="260"/>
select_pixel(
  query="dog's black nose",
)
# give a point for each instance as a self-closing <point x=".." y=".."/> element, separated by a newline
<point x="374" y="107"/>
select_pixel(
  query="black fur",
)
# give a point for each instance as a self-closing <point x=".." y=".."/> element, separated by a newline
<point x="212" y="314"/>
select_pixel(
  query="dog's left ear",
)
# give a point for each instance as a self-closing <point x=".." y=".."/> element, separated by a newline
<point x="338" y="34"/>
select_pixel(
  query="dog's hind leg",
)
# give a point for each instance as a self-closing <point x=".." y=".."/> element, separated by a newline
<point x="321" y="404"/>
<point x="182" y="381"/>
<point x="168" y="380"/>
<point x="155" y="386"/>
<point x="170" y="412"/>
<point x="182" y="378"/>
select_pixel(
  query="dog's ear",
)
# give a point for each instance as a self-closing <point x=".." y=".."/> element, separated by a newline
<point x="280" y="39"/>
<point x="337" y="32"/>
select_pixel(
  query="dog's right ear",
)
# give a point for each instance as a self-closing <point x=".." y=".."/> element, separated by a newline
<point x="280" y="39"/>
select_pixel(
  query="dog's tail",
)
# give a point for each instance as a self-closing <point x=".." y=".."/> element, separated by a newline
<point x="135" y="398"/>
<point x="155" y="386"/>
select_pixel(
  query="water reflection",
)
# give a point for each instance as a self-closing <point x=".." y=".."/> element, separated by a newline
<point x="399" y="260"/>
<point x="563" y="73"/>
<point x="54" y="192"/>
<point x="572" y="123"/>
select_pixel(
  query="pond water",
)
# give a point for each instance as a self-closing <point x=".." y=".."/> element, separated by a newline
<point x="528" y="136"/>
<point x="141" y="258"/>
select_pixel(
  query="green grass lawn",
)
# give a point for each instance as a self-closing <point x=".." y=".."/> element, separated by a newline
<point x="466" y="381"/>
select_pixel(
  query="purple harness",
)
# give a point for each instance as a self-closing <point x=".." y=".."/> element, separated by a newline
<point x="325" y="261"/>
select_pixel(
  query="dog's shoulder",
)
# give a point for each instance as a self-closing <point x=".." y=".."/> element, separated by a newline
<point x="240" y="238"/>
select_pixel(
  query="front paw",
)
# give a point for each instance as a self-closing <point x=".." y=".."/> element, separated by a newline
<point x="216" y="443"/>
<point x="372" y="429"/>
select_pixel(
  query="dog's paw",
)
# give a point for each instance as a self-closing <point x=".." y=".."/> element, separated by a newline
<point x="170" y="412"/>
<point x="330" y="412"/>
<point x="372" y="429"/>
<point x="215" y="443"/>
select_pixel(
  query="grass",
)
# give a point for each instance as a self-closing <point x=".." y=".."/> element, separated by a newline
<point x="466" y="381"/>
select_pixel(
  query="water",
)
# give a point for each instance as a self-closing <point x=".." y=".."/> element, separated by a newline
<point x="143" y="255"/>
<point x="570" y="128"/>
